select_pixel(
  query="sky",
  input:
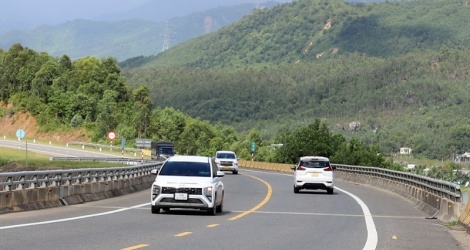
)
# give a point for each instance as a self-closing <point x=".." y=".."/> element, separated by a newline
<point x="28" y="14"/>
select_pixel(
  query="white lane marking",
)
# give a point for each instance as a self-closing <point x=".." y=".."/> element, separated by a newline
<point x="53" y="147"/>
<point x="372" y="238"/>
<point x="73" y="218"/>
<point x="37" y="151"/>
<point x="371" y="242"/>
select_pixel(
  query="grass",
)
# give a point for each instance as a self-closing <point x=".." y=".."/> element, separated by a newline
<point x="18" y="160"/>
<point x="452" y="223"/>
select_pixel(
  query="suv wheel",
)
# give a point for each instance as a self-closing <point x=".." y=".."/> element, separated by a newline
<point x="296" y="189"/>
<point x="155" y="210"/>
<point x="212" y="211"/>
<point x="235" y="171"/>
<point x="329" y="190"/>
<point x="221" y="206"/>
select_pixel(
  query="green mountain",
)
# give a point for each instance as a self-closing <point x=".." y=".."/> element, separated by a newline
<point x="304" y="30"/>
<point x="395" y="74"/>
<point x="123" y="39"/>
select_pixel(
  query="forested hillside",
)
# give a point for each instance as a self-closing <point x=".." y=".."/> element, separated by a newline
<point x="394" y="74"/>
<point x="90" y="96"/>
<point x="309" y="30"/>
<point x="123" y="39"/>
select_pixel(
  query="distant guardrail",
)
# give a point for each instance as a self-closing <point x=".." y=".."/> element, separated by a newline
<point x="129" y="161"/>
<point x="92" y="145"/>
<point x="440" y="188"/>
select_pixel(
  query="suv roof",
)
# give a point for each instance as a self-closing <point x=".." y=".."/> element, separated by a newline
<point x="190" y="158"/>
<point x="225" y="151"/>
<point x="314" y="158"/>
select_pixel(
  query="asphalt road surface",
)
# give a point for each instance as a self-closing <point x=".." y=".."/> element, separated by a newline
<point x="261" y="211"/>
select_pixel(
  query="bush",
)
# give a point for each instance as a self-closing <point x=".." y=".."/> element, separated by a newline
<point x="76" y="121"/>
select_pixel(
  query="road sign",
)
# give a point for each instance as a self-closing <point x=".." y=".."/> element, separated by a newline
<point x="253" y="146"/>
<point x="143" y="143"/>
<point x="20" y="133"/>
<point x="123" y="143"/>
<point x="111" y="135"/>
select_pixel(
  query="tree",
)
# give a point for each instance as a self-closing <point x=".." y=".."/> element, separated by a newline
<point x="142" y="111"/>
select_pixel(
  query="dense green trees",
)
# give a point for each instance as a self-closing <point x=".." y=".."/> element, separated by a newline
<point x="413" y="100"/>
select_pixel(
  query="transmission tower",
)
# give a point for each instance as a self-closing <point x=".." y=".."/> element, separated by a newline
<point x="167" y="37"/>
<point x="258" y="5"/>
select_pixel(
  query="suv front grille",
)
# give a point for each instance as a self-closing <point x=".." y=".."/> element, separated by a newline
<point x="189" y="201"/>
<point x="172" y="190"/>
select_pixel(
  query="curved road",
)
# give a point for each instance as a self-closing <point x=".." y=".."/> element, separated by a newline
<point x="261" y="211"/>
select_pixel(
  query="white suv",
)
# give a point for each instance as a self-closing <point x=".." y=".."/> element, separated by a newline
<point x="227" y="161"/>
<point x="188" y="182"/>
<point x="313" y="172"/>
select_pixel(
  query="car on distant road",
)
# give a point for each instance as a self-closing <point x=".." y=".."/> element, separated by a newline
<point x="188" y="182"/>
<point x="313" y="172"/>
<point x="227" y="161"/>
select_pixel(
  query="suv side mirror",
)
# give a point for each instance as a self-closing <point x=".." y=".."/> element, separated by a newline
<point x="293" y="167"/>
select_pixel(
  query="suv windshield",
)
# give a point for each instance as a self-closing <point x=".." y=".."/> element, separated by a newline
<point x="314" y="164"/>
<point x="225" y="156"/>
<point x="166" y="150"/>
<point x="177" y="168"/>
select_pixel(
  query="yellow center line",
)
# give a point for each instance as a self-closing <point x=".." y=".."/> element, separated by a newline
<point x="266" y="199"/>
<point x="212" y="225"/>
<point x="135" y="247"/>
<point x="183" y="234"/>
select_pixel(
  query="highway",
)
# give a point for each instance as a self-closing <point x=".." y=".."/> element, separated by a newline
<point x="261" y="211"/>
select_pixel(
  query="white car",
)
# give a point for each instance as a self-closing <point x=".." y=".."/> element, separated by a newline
<point x="188" y="182"/>
<point x="313" y="172"/>
<point x="227" y="161"/>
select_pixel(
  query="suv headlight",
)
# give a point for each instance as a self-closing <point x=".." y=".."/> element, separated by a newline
<point x="155" y="190"/>
<point x="208" y="192"/>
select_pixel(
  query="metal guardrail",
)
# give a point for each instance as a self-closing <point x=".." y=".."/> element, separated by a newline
<point x="83" y="144"/>
<point x="38" y="179"/>
<point x="440" y="188"/>
<point x="34" y="179"/>
<point x="130" y="161"/>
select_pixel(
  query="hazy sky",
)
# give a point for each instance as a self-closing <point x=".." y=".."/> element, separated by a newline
<point x="54" y="11"/>
<point x="28" y="14"/>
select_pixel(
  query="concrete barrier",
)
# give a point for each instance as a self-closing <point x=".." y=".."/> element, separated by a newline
<point x="47" y="197"/>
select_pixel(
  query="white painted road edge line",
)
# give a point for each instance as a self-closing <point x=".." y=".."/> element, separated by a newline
<point x="73" y="218"/>
<point x="372" y="238"/>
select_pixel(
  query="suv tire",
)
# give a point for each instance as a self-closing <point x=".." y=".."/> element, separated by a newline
<point x="329" y="190"/>
<point x="212" y="211"/>
<point x="221" y="206"/>
<point x="296" y="189"/>
<point x="235" y="171"/>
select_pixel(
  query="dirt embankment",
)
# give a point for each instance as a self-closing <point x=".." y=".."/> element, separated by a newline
<point x="10" y="124"/>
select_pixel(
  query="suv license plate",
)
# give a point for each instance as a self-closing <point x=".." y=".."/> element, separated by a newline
<point x="314" y="174"/>
<point x="181" y="196"/>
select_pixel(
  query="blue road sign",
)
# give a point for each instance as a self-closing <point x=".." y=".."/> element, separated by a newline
<point x="20" y="133"/>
